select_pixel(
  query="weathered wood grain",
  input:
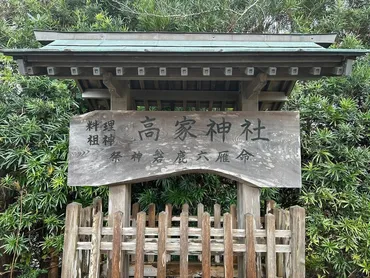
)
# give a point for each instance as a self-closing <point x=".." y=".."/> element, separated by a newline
<point x="140" y="244"/>
<point x="279" y="220"/>
<point x="297" y="243"/>
<point x="184" y="248"/>
<point x="206" y="245"/>
<point x="96" y="239"/>
<point x="130" y="158"/>
<point x="151" y="224"/>
<point x="135" y="211"/>
<point x="185" y="208"/>
<point x="270" y="205"/>
<point x="69" y="263"/>
<point x="228" y="246"/>
<point x="168" y="210"/>
<point x="84" y="255"/>
<point x="233" y="215"/>
<point x="162" y="237"/>
<point x="200" y="211"/>
<point x="217" y="224"/>
<point x="117" y="272"/>
<point x="287" y="256"/>
<point x="271" y="246"/>
<point x="250" y="242"/>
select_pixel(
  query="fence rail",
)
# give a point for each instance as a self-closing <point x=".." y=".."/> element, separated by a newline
<point x="157" y="244"/>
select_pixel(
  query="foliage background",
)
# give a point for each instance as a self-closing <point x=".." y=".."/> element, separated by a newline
<point x="335" y="127"/>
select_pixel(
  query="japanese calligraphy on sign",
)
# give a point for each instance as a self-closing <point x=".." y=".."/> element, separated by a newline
<point x="112" y="147"/>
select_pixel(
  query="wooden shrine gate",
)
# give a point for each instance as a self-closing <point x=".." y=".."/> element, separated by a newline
<point x="162" y="245"/>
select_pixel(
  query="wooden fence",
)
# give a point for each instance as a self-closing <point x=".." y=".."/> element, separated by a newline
<point x="163" y="245"/>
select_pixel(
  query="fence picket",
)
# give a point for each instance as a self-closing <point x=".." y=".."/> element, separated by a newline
<point x="168" y="210"/>
<point x="200" y="211"/>
<point x="270" y="206"/>
<point x="184" y="248"/>
<point x="69" y="262"/>
<point x="282" y="240"/>
<point x="185" y="208"/>
<point x="271" y="246"/>
<point x="217" y="223"/>
<point x="233" y="216"/>
<point x="228" y="247"/>
<point x="279" y="218"/>
<point x="162" y="236"/>
<point x="96" y="239"/>
<point x="206" y="245"/>
<point x="83" y="255"/>
<point x="117" y="271"/>
<point x="151" y="224"/>
<point x="297" y="225"/>
<point x="286" y="241"/>
<point x="140" y="242"/>
<point x="250" y="242"/>
<point x="135" y="211"/>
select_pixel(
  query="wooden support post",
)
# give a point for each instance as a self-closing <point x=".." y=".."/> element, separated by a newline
<point x="206" y="245"/>
<point x="120" y="200"/>
<point x="119" y="195"/>
<point x="184" y="247"/>
<point x="162" y="238"/>
<point x="250" y="243"/>
<point x="117" y="271"/>
<point x="69" y="263"/>
<point x="248" y="197"/>
<point x="297" y="241"/>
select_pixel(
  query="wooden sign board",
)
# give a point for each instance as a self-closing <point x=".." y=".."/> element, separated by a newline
<point x="115" y="147"/>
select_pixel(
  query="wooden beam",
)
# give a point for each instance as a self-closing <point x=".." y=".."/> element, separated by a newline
<point x="227" y="85"/>
<point x="142" y="84"/>
<point x="85" y="70"/>
<point x="110" y="84"/>
<point x="96" y="94"/>
<point x="269" y="96"/>
<point x="249" y="92"/>
<point x="272" y="96"/>
<point x="181" y="95"/>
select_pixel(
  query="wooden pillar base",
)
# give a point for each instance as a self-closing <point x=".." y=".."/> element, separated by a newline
<point x="248" y="198"/>
<point x="120" y="200"/>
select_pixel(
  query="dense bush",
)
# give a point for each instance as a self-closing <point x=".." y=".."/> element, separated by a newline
<point x="335" y="129"/>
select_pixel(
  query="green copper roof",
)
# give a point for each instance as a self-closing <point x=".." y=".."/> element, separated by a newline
<point x="152" y="46"/>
